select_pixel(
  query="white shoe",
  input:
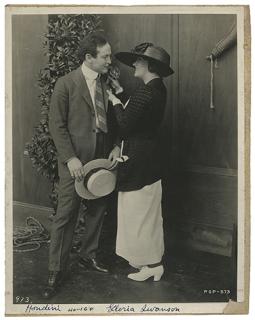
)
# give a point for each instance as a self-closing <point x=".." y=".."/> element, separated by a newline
<point x="146" y="272"/>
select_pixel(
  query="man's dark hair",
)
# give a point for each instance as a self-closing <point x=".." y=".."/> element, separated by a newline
<point x="90" y="43"/>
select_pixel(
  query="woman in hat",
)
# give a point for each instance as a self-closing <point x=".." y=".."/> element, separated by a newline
<point x="140" y="237"/>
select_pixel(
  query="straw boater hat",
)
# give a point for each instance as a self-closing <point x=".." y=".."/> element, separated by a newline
<point x="99" y="179"/>
<point x="150" y="52"/>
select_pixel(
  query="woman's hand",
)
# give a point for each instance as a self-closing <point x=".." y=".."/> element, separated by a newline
<point x="111" y="95"/>
<point x="114" y="100"/>
<point x="116" y="85"/>
<point x="115" y="153"/>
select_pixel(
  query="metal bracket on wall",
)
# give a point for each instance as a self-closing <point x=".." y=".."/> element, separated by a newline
<point x="223" y="45"/>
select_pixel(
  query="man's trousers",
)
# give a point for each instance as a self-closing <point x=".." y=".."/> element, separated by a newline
<point x="65" y="220"/>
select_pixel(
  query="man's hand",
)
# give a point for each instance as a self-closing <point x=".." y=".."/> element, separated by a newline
<point x="76" y="169"/>
<point x="115" y="153"/>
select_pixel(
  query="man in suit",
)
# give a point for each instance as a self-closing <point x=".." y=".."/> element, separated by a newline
<point x="81" y="125"/>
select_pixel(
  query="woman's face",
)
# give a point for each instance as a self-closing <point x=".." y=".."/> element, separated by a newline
<point x="141" y="68"/>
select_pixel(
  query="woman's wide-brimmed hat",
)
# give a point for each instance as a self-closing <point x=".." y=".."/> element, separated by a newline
<point x="150" y="52"/>
<point x="99" y="179"/>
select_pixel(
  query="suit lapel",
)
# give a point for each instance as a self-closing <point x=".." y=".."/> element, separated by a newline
<point x="83" y="88"/>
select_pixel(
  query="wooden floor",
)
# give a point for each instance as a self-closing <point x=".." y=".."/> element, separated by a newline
<point x="187" y="276"/>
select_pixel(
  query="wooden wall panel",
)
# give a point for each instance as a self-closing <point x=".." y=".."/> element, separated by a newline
<point x="27" y="59"/>
<point x="209" y="198"/>
<point x="207" y="137"/>
<point x="206" y="209"/>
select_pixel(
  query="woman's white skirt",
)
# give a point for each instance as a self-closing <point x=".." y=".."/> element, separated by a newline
<point x="140" y="238"/>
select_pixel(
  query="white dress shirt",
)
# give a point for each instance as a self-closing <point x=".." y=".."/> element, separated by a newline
<point x="91" y="78"/>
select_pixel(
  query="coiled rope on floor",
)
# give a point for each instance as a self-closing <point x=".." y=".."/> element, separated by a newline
<point x="30" y="237"/>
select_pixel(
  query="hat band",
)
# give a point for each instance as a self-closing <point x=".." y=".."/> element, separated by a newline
<point x="90" y="174"/>
<point x="157" y="56"/>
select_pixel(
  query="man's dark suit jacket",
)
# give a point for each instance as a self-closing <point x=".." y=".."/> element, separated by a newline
<point x="72" y="121"/>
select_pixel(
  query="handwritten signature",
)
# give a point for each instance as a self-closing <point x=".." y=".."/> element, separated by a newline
<point x="44" y="307"/>
<point x="112" y="308"/>
<point x="145" y="308"/>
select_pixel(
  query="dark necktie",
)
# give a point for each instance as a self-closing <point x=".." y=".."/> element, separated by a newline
<point x="100" y="107"/>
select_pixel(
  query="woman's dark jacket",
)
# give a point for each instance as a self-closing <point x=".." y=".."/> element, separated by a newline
<point x="138" y="126"/>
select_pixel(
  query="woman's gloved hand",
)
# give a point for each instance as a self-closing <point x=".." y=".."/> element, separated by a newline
<point x="114" y="100"/>
<point x="115" y="85"/>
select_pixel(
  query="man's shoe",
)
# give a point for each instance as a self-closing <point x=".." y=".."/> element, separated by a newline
<point x="54" y="280"/>
<point x="92" y="264"/>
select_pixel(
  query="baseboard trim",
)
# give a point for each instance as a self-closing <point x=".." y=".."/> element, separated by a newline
<point x="33" y="206"/>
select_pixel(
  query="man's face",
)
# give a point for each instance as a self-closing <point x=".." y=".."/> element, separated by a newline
<point x="102" y="61"/>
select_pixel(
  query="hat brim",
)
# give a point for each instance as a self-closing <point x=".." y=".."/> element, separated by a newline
<point x="80" y="188"/>
<point x="129" y="58"/>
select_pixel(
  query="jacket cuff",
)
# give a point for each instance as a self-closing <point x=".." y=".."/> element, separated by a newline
<point x="66" y="161"/>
